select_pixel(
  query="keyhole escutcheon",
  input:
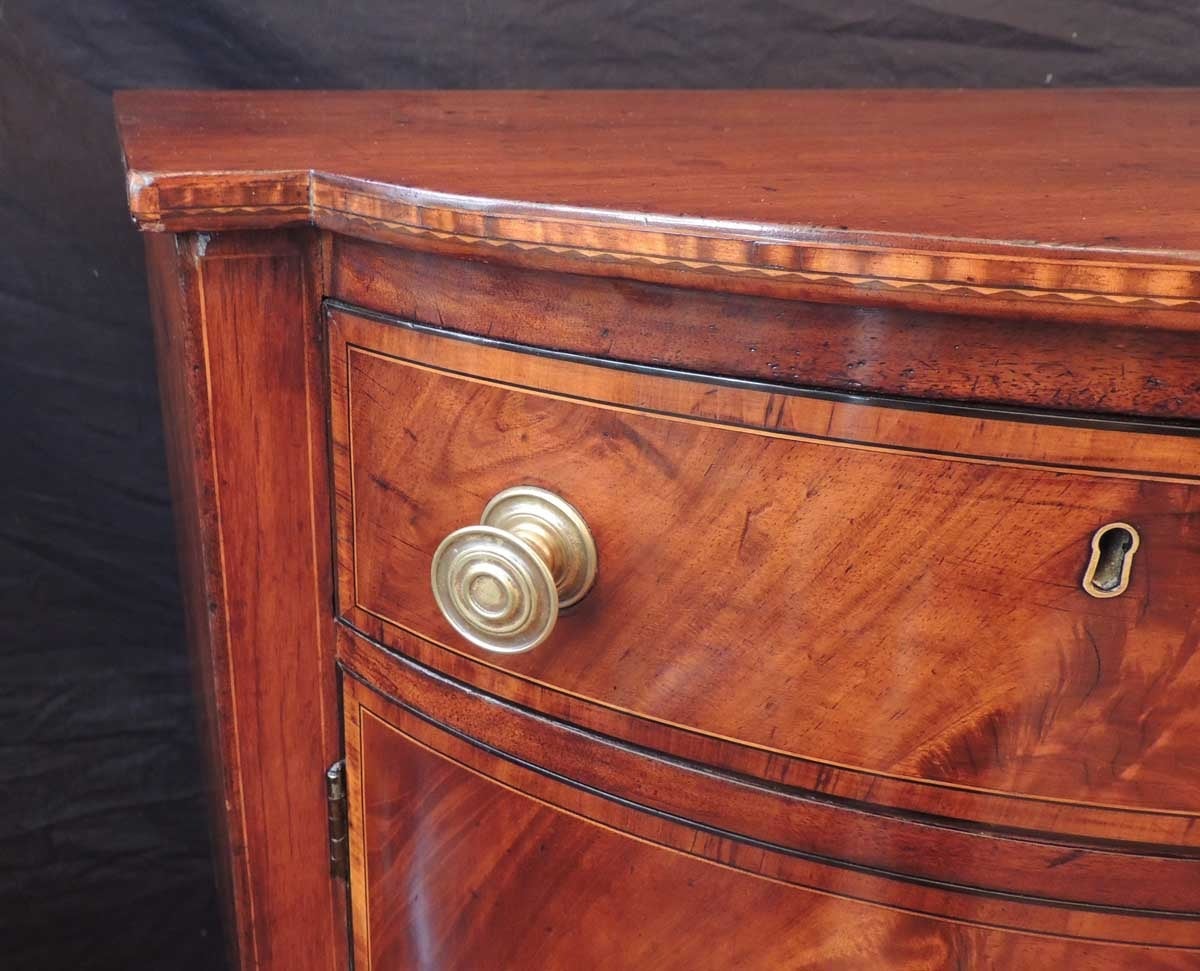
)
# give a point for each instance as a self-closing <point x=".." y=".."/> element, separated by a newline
<point x="1113" y="546"/>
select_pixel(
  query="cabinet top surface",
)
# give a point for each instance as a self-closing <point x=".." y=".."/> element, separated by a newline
<point x="1105" y="170"/>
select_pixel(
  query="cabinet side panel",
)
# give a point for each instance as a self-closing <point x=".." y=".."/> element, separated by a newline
<point x="243" y="402"/>
<point x="181" y="381"/>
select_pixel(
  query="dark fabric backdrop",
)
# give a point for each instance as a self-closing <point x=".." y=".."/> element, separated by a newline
<point x="104" y="854"/>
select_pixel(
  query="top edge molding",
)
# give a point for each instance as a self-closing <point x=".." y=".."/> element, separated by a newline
<point x="459" y="176"/>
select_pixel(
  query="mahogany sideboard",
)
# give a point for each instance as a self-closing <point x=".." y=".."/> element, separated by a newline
<point x="688" y="530"/>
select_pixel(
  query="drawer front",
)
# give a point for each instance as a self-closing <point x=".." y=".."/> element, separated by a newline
<point x="485" y="837"/>
<point x="891" y="590"/>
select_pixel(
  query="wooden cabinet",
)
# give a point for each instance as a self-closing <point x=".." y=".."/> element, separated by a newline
<point x="860" y="628"/>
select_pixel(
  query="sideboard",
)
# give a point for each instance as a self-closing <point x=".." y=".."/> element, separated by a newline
<point x="688" y="530"/>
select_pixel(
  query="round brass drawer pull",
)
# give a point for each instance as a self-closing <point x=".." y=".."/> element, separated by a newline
<point x="501" y="584"/>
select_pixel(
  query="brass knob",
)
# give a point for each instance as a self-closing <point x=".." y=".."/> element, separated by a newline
<point x="501" y="584"/>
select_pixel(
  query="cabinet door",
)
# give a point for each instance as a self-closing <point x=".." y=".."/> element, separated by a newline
<point x="468" y="853"/>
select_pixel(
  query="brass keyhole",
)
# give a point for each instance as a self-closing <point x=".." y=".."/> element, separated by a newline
<point x="1111" y="562"/>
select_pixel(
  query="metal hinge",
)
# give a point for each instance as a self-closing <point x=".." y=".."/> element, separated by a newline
<point x="339" y="842"/>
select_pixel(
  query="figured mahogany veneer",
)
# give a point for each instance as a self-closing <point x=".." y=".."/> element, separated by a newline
<point x="480" y="819"/>
<point x="843" y="383"/>
<point x="896" y="612"/>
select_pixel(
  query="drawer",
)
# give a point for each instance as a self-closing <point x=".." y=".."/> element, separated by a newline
<point x="876" y="587"/>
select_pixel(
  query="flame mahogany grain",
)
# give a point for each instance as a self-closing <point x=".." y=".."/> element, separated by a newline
<point x="906" y="848"/>
<point x="895" y="613"/>
<point x="443" y="817"/>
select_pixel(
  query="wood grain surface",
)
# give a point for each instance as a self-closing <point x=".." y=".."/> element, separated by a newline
<point x="843" y="383"/>
<point x="904" y="614"/>
<point x="1131" y="369"/>
<point x="493" y="865"/>
<point x="251" y="482"/>
<point x="1043" y="200"/>
<point x="923" y="849"/>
